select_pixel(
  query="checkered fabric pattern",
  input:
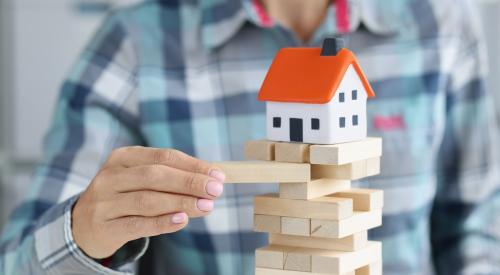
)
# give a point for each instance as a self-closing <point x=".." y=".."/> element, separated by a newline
<point x="185" y="74"/>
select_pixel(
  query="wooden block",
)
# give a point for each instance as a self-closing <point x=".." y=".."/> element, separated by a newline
<point x="297" y="261"/>
<point x="343" y="153"/>
<point x="264" y="171"/>
<point x="269" y="271"/>
<point x="266" y="223"/>
<point x="333" y="262"/>
<point x="373" y="166"/>
<point x="259" y="150"/>
<point x="313" y="189"/>
<point x="328" y="208"/>
<point x="269" y="258"/>
<point x="350" y="171"/>
<point x="329" y="261"/>
<point x="283" y="257"/>
<point x="295" y="226"/>
<point x="350" y="243"/>
<point x="371" y="269"/>
<point x="292" y="152"/>
<point x="363" y="199"/>
<point x="359" y="221"/>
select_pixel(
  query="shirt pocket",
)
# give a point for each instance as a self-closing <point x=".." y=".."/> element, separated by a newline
<point x="409" y="115"/>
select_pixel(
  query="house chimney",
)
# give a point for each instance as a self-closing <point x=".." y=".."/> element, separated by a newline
<point x="331" y="46"/>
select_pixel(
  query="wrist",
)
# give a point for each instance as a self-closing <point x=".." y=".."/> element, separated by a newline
<point x="128" y="253"/>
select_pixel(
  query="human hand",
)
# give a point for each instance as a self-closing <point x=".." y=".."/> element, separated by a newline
<point x="141" y="192"/>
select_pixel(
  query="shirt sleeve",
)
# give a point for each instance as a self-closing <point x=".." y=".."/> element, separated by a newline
<point x="96" y="112"/>
<point x="465" y="221"/>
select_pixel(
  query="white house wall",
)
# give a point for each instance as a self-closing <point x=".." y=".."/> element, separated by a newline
<point x="329" y="114"/>
<point x="348" y="108"/>
<point x="297" y="110"/>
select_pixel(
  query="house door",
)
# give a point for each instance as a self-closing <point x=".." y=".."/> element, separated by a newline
<point x="296" y="130"/>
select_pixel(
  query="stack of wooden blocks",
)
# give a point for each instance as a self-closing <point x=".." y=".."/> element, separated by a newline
<point x="317" y="224"/>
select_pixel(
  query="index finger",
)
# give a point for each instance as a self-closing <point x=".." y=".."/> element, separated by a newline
<point x="138" y="155"/>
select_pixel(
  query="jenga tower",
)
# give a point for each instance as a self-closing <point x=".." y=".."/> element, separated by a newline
<point x="320" y="226"/>
<point x="317" y="224"/>
<point x="316" y="145"/>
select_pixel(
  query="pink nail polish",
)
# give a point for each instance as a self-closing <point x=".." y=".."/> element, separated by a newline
<point x="179" y="218"/>
<point x="218" y="175"/>
<point x="205" y="205"/>
<point x="214" y="188"/>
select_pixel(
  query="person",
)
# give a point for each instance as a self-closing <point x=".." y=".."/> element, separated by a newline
<point x="184" y="75"/>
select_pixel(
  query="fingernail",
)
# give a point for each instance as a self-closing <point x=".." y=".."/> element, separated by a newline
<point x="218" y="175"/>
<point x="214" y="188"/>
<point x="205" y="205"/>
<point x="179" y="218"/>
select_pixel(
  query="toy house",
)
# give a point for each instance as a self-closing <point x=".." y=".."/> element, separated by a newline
<point x="316" y="95"/>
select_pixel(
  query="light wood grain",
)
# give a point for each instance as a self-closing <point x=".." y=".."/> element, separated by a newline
<point x="297" y="261"/>
<point x="269" y="258"/>
<point x="329" y="208"/>
<point x="270" y="271"/>
<point x="330" y="261"/>
<point x="363" y="199"/>
<point x="295" y="226"/>
<point x="359" y="221"/>
<point x="313" y="189"/>
<point x="259" y="150"/>
<point x="292" y="152"/>
<point x="264" y="171"/>
<point x="350" y="243"/>
<point x="350" y="171"/>
<point x="371" y="269"/>
<point x="267" y="223"/>
<point x="343" y="153"/>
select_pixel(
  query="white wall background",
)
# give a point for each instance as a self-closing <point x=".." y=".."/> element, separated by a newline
<point x="34" y="60"/>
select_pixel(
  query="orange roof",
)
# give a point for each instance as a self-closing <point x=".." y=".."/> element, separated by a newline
<point x="302" y="75"/>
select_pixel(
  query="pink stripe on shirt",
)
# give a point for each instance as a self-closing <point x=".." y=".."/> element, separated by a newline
<point x="389" y="123"/>
<point x="342" y="16"/>
<point x="264" y="18"/>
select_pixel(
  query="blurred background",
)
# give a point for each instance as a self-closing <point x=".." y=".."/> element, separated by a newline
<point x="39" y="41"/>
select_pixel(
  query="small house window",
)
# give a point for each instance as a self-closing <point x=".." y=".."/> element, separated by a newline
<point x="355" y="120"/>
<point x="354" y="94"/>
<point x="315" y="123"/>
<point x="276" y="122"/>
<point x="342" y="122"/>
<point x="341" y="97"/>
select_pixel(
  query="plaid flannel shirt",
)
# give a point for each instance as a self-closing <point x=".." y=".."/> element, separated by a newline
<point x="185" y="74"/>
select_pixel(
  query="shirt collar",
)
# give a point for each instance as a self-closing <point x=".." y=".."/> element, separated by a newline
<point x="222" y="19"/>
